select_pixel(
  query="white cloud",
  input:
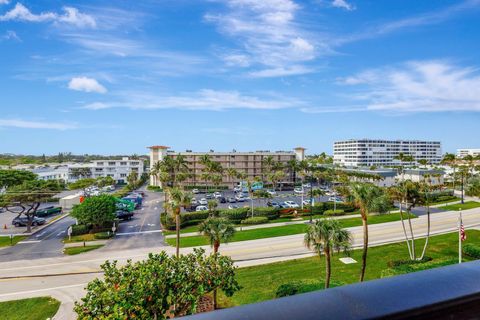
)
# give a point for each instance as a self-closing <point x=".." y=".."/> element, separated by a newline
<point x="420" y="86"/>
<point x="4" y="2"/>
<point x="71" y="16"/>
<point x="343" y="4"/>
<point x="267" y="35"/>
<point x="281" y="71"/>
<point x="10" y="35"/>
<point x="86" y="84"/>
<point x="205" y="99"/>
<point x="25" y="124"/>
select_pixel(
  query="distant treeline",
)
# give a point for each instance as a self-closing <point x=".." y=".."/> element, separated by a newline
<point x="14" y="159"/>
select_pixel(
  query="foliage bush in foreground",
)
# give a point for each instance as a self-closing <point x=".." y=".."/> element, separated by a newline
<point x="300" y="286"/>
<point x="157" y="287"/>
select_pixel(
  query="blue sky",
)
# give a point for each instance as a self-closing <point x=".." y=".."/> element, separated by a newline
<point x="117" y="76"/>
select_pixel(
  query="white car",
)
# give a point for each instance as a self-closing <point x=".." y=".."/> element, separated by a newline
<point x="232" y="206"/>
<point x="201" y="208"/>
<point x="272" y="192"/>
<point x="195" y="191"/>
<point x="290" y="204"/>
<point x="307" y="185"/>
<point x="237" y="189"/>
<point x="335" y="199"/>
<point x="217" y="195"/>
<point x="193" y="201"/>
<point x="298" y="190"/>
<point x="239" y="198"/>
<point x="203" y="202"/>
<point x="307" y="202"/>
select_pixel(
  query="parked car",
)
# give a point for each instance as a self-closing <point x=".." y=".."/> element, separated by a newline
<point x="308" y="203"/>
<point x="23" y="221"/>
<point x="201" y="208"/>
<point x="209" y="196"/>
<point x="237" y="188"/>
<point x="298" y="190"/>
<point x="271" y="192"/>
<point x="232" y="206"/>
<point x="290" y="204"/>
<point x="335" y="199"/>
<point x="222" y="199"/>
<point x="231" y="200"/>
<point x="217" y="194"/>
<point x="239" y="197"/>
<point x="124" y="215"/>
<point x="273" y="204"/>
<point x="195" y="191"/>
<point x="44" y="212"/>
<point x="203" y="202"/>
<point x="193" y="201"/>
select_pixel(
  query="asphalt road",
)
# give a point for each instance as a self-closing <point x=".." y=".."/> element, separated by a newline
<point x="46" y="243"/>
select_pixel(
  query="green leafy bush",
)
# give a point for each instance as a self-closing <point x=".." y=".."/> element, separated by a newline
<point x="270" y="213"/>
<point x="472" y="250"/>
<point x="235" y="215"/>
<point x="414" y="267"/>
<point x="79" y="229"/>
<point x="102" y="235"/>
<point x="397" y="263"/>
<point x="155" y="188"/>
<point x="301" y="286"/>
<point x="338" y="212"/>
<point x="255" y="220"/>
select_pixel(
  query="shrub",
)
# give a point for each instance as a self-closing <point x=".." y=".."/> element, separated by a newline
<point x="338" y="212"/>
<point x="255" y="220"/>
<point x="79" y="229"/>
<point x="235" y="215"/>
<point x="397" y="263"/>
<point x="472" y="251"/>
<point x="270" y="213"/>
<point x="155" y="188"/>
<point x="301" y="286"/>
<point x="102" y="235"/>
<point x="415" y="266"/>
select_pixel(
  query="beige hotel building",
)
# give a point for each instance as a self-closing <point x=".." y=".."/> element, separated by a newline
<point x="250" y="163"/>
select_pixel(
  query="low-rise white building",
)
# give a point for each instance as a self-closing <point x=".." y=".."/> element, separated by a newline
<point x="387" y="177"/>
<point x="461" y="153"/>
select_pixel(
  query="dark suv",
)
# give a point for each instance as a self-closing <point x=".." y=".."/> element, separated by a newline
<point x="124" y="215"/>
<point x="23" y="221"/>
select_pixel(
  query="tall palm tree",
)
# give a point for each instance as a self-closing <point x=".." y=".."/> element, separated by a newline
<point x="267" y="163"/>
<point x="367" y="197"/>
<point x="451" y="160"/>
<point x="325" y="236"/>
<point x="232" y="173"/>
<point x="180" y="169"/>
<point x="178" y="199"/>
<point x="217" y="230"/>
<point x="293" y="166"/>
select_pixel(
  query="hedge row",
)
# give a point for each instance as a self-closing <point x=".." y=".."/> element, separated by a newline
<point x="255" y="220"/>
<point x="84" y="229"/>
<point x="472" y="250"/>
<point x="416" y="266"/>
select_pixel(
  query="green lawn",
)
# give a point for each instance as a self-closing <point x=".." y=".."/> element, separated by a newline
<point x="445" y="201"/>
<point x="29" y="309"/>
<point x="260" y="283"/>
<point x="5" y="241"/>
<point x="77" y="250"/>
<point x="80" y="238"/>
<point x="467" y="205"/>
<point x="280" y="231"/>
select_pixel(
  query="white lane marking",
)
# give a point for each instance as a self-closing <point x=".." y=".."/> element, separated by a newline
<point x="60" y="233"/>
<point x="143" y="209"/>
<point x="139" y="232"/>
<point x="40" y="234"/>
<point x="29" y="241"/>
<point x="156" y="208"/>
<point x="151" y="224"/>
<point x="42" y="290"/>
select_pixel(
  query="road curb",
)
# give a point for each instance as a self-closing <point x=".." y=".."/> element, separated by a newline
<point x="40" y="228"/>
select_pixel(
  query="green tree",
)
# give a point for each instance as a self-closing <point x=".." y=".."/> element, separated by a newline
<point x="98" y="211"/>
<point x="217" y="230"/>
<point x="325" y="236"/>
<point x="367" y="197"/>
<point x="82" y="184"/>
<point x="81" y="172"/>
<point x="132" y="179"/>
<point x="178" y="199"/>
<point x="156" y="288"/>
<point x="26" y="197"/>
<point x="9" y="178"/>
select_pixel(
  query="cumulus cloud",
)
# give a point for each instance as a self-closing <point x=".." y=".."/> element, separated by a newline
<point x="4" y="2"/>
<point x="71" y="16"/>
<point x="205" y="99"/>
<point x="267" y="35"/>
<point x="86" y="84"/>
<point x="343" y="4"/>
<point x="26" y="124"/>
<point x="10" y="35"/>
<point x="420" y="86"/>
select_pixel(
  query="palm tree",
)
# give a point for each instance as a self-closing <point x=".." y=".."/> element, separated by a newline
<point x="205" y="161"/>
<point x="180" y="169"/>
<point x="178" y="199"/>
<point x="293" y="166"/>
<point x="451" y="160"/>
<point x="324" y="236"/>
<point x="275" y="177"/>
<point x="423" y="162"/>
<point x="367" y="197"/>
<point x="232" y="173"/>
<point x="217" y="230"/>
<point x="268" y="163"/>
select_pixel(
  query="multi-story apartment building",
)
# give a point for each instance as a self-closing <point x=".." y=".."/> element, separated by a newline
<point x="249" y="163"/>
<point x="468" y="152"/>
<point x="117" y="169"/>
<point x="369" y="152"/>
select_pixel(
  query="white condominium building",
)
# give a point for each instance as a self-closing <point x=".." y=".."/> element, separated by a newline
<point x="368" y="152"/>
<point x="468" y="152"/>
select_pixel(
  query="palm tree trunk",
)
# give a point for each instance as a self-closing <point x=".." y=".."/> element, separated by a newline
<point x="216" y="245"/>
<point x="328" y="266"/>
<point x="428" y="233"/>
<point x="412" y="234"/>
<point x="365" y="246"/>
<point x="405" y="232"/>
<point x="177" y="226"/>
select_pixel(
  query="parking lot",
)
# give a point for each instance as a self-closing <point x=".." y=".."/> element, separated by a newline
<point x="279" y="197"/>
